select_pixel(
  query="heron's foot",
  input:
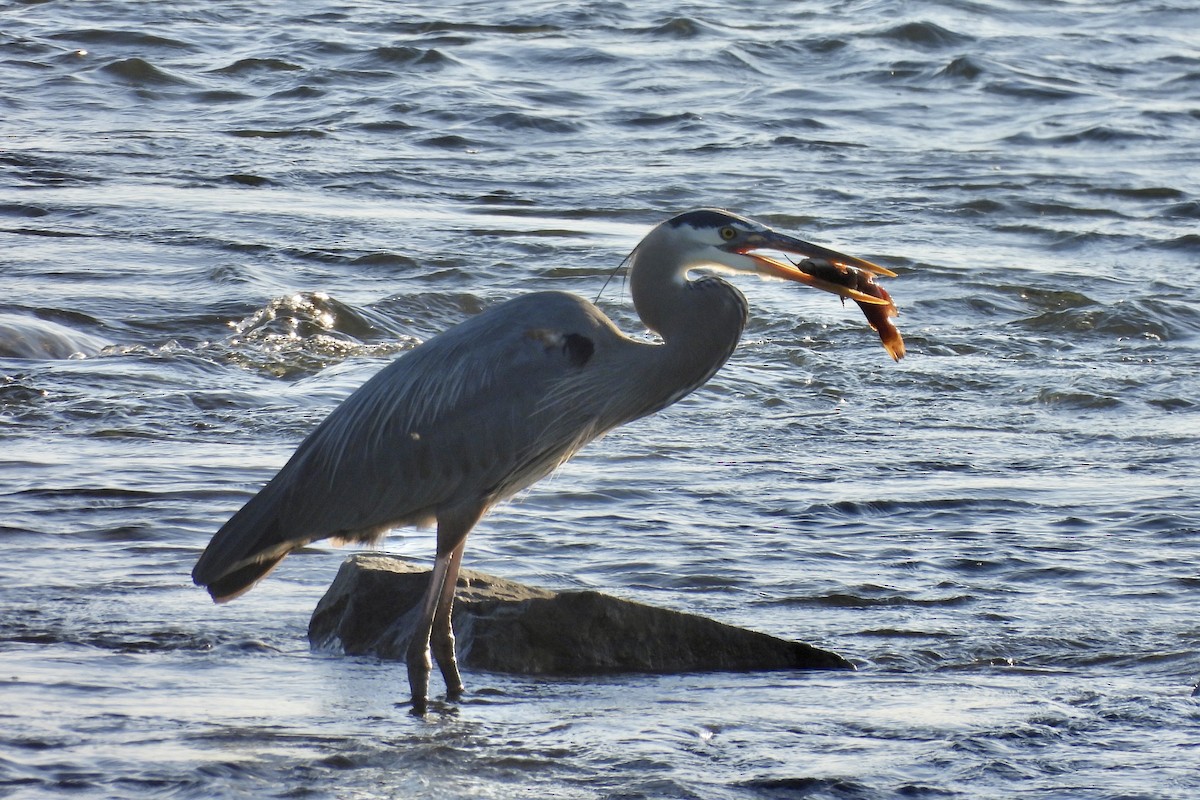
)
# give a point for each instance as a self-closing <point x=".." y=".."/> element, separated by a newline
<point x="423" y="708"/>
<point x="419" y="682"/>
<point x="454" y="685"/>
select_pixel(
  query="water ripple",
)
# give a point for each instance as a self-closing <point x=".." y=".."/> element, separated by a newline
<point x="238" y="214"/>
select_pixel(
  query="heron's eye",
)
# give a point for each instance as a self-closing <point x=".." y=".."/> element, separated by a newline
<point x="728" y="233"/>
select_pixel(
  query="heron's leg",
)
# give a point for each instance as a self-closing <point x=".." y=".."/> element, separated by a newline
<point x="442" y="641"/>
<point x="417" y="654"/>
<point x="453" y="526"/>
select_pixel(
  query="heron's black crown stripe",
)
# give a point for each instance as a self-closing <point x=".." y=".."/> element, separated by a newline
<point x="703" y="218"/>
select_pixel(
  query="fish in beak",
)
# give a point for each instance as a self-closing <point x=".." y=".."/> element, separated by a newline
<point x="821" y="268"/>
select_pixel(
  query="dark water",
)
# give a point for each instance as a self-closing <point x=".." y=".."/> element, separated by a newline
<point x="217" y="219"/>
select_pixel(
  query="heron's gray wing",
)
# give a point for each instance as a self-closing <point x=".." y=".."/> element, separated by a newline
<point x="462" y="418"/>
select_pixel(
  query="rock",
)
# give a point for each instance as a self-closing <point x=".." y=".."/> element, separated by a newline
<point x="503" y="626"/>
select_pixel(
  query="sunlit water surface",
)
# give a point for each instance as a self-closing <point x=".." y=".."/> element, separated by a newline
<point x="233" y="214"/>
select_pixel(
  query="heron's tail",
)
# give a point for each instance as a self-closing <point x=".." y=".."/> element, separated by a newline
<point x="244" y="550"/>
<point x="237" y="582"/>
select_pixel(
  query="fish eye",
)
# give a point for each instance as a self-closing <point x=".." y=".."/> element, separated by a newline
<point x="728" y="233"/>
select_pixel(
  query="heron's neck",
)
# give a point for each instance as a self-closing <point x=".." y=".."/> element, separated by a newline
<point x="699" y="321"/>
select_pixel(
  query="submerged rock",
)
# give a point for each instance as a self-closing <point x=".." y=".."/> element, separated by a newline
<point x="503" y="626"/>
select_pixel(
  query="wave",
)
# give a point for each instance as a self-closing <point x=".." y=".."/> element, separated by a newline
<point x="304" y="332"/>
<point x="925" y="35"/>
<point x="140" y="72"/>
<point x="28" y="337"/>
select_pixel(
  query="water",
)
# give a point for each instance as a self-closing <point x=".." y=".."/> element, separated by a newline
<point x="238" y="212"/>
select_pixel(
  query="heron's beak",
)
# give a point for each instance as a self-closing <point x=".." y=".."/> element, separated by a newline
<point x="762" y="246"/>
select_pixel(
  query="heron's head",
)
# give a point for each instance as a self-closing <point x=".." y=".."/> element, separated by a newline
<point x="718" y="239"/>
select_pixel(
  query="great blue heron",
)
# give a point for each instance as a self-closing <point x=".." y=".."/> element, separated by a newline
<point x="492" y="405"/>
